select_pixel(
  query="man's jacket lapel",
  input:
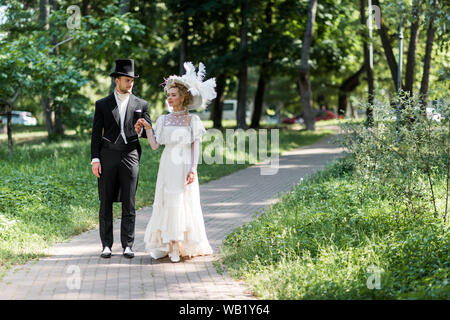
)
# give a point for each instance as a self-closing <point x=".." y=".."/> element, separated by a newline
<point x="112" y="104"/>
<point x="130" y="110"/>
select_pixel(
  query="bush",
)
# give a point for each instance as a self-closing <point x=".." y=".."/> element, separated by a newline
<point x="327" y="237"/>
<point x="404" y="155"/>
<point x="370" y="226"/>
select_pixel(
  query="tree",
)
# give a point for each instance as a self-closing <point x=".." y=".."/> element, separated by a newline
<point x="265" y="68"/>
<point x="16" y="58"/>
<point x="8" y="107"/>
<point x="436" y="22"/>
<point x="44" y="12"/>
<point x="347" y="86"/>
<point x="383" y="32"/>
<point x="242" y="75"/>
<point x="367" y="65"/>
<point x="427" y="57"/>
<point x="304" y="73"/>
<point x="414" y="37"/>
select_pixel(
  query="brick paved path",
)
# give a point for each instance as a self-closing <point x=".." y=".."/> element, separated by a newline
<point x="227" y="203"/>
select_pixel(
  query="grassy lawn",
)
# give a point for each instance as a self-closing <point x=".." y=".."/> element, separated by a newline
<point x="331" y="238"/>
<point x="48" y="192"/>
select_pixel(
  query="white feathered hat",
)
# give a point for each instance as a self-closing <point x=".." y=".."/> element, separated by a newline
<point x="202" y="92"/>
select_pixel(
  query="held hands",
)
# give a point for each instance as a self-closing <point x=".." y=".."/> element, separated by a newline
<point x="141" y="123"/>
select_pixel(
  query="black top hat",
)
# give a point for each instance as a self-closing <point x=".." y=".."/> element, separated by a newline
<point x="124" y="67"/>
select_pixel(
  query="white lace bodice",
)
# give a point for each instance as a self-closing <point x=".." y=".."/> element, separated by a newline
<point x="175" y="129"/>
<point x="180" y="120"/>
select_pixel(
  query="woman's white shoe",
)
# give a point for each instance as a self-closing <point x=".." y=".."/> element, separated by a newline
<point x="175" y="254"/>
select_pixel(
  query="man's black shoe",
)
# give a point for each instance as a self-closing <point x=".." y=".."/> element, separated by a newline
<point x="128" y="253"/>
<point x="106" y="253"/>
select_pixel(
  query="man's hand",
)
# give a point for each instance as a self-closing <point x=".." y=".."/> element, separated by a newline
<point x="138" y="127"/>
<point x="97" y="169"/>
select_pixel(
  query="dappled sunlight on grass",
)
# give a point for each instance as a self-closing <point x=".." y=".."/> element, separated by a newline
<point x="319" y="241"/>
<point x="49" y="190"/>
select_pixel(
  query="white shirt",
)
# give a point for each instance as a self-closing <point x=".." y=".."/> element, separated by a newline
<point x="122" y="102"/>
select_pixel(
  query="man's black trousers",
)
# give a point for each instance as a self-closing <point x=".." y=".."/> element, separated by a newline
<point x="120" y="170"/>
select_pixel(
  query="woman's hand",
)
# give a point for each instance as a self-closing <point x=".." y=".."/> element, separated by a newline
<point x="190" y="177"/>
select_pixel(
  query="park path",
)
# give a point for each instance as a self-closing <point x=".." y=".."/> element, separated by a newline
<point x="227" y="203"/>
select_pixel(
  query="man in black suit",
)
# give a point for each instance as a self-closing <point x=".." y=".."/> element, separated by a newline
<point x="115" y="155"/>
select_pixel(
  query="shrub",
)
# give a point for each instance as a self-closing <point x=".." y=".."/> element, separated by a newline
<point x="404" y="155"/>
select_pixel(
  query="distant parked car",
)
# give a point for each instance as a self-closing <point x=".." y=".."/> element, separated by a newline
<point x="228" y="112"/>
<point x="326" y="115"/>
<point x="434" y="115"/>
<point x="294" y="119"/>
<point x="20" y="117"/>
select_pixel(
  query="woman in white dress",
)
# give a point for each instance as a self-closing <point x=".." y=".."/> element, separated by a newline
<point x="176" y="227"/>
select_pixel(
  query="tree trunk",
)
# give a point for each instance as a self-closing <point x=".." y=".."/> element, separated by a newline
<point x="242" y="90"/>
<point x="427" y="57"/>
<point x="58" y="125"/>
<point x="304" y="82"/>
<point x="393" y="67"/>
<point x="9" y="132"/>
<point x="342" y="103"/>
<point x="124" y="6"/>
<point x="217" y="110"/>
<point x="44" y="12"/>
<point x="86" y="8"/>
<point x="322" y="102"/>
<point x="217" y="107"/>
<point x="348" y="85"/>
<point x="367" y="67"/>
<point x="264" y="74"/>
<point x="47" y="114"/>
<point x="411" y="60"/>
<point x="259" y="98"/>
<point x="9" y="104"/>
<point x="184" y="43"/>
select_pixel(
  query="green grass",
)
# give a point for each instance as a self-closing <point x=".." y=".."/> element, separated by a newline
<point x="319" y="241"/>
<point x="48" y="192"/>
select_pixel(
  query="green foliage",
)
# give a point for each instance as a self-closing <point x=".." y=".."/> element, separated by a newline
<point x="28" y="61"/>
<point x="151" y="33"/>
<point x="322" y="239"/>
<point x="405" y="156"/>
<point x="383" y="208"/>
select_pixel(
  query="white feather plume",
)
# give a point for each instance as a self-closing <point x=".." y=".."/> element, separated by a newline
<point x="203" y="91"/>
<point x="190" y="69"/>
<point x="201" y="72"/>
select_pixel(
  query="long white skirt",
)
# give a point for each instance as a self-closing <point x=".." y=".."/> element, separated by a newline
<point x="177" y="213"/>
